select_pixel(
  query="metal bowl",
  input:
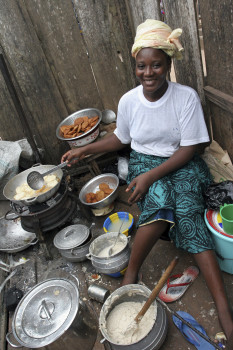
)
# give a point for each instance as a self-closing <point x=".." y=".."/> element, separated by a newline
<point x="87" y="137"/>
<point x="93" y="186"/>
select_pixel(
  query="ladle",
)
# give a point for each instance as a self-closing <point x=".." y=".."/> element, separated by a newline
<point x="36" y="180"/>
<point x="110" y="251"/>
<point x="132" y="328"/>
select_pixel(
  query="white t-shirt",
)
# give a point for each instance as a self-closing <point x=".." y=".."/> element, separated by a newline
<point x="160" y="128"/>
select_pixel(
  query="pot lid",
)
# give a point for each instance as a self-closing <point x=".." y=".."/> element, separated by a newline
<point x="71" y="236"/>
<point x="45" y="312"/>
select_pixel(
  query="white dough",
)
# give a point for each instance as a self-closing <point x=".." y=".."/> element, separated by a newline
<point x="121" y="326"/>
<point x="116" y="249"/>
<point x="24" y="191"/>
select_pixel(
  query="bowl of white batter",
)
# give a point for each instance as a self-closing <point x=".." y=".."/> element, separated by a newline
<point x="117" y="317"/>
<point x="116" y="263"/>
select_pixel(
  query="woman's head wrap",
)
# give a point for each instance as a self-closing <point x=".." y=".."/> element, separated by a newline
<point x="158" y="35"/>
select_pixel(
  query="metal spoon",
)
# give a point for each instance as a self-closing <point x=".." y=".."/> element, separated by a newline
<point x="36" y="180"/>
<point x="110" y="251"/>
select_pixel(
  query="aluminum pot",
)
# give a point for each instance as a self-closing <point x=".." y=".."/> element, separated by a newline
<point x="52" y="315"/>
<point x="139" y="293"/>
<point x="114" y="263"/>
<point x="73" y="242"/>
<point x="10" y="188"/>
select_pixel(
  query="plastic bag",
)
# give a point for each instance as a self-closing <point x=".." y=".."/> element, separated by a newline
<point x="9" y="163"/>
<point x="218" y="194"/>
<point x="123" y="165"/>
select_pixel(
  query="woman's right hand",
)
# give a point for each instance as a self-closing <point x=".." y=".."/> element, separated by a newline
<point x="74" y="155"/>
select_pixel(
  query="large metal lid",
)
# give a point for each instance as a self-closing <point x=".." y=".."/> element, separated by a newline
<point x="45" y="312"/>
<point x="71" y="236"/>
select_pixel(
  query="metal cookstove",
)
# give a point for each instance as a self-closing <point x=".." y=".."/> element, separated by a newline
<point x="50" y="214"/>
<point x="46" y="216"/>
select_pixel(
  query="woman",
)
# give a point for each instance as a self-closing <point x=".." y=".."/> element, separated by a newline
<point x="164" y="123"/>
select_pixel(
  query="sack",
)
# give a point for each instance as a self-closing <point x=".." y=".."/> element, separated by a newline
<point x="218" y="194"/>
<point x="219" y="162"/>
<point x="10" y="160"/>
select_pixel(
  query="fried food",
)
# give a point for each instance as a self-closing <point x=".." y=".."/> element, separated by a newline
<point x="24" y="191"/>
<point x="99" y="195"/>
<point x="103" y="192"/>
<point x="80" y="126"/>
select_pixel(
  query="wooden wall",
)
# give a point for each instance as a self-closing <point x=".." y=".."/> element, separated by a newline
<point x="61" y="56"/>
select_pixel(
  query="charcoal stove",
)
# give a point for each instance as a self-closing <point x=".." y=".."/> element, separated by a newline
<point x="48" y="215"/>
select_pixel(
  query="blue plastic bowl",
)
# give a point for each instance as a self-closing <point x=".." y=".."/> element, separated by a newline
<point x="121" y="215"/>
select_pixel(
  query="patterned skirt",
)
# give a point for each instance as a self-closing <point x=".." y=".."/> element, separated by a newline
<point x="176" y="198"/>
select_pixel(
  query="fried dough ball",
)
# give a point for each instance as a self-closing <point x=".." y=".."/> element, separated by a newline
<point x="99" y="195"/>
<point x="103" y="192"/>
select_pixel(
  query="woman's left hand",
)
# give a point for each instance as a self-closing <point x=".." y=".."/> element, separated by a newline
<point x="141" y="184"/>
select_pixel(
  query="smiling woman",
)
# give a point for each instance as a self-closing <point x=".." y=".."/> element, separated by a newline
<point x="163" y="122"/>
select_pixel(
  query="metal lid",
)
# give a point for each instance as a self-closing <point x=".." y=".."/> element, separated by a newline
<point x="71" y="236"/>
<point x="45" y="312"/>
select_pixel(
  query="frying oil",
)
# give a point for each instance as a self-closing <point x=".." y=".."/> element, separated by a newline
<point x="116" y="224"/>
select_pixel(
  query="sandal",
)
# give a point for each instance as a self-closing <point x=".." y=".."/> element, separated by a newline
<point x="173" y="291"/>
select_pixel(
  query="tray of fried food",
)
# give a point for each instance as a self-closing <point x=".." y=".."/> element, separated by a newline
<point x="103" y="192"/>
<point x="80" y="126"/>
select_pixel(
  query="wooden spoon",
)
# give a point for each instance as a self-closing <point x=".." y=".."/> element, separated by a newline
<point x="133" y="326"/>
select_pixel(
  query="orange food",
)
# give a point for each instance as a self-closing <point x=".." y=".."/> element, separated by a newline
<point x="80" y="126"/>
<point x="103" y="192"/>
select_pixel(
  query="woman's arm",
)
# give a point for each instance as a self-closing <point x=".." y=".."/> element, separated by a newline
<point x="108" y="144"/>
<point x="142" y="182"/>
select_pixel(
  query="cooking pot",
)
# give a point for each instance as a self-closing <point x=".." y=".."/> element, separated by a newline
<point x="9" y="190"/>
<point x="114" y="263"/>
<point x="73" y="242"/>
<point x="136" y="293"/>
<point x="52" y="315"/>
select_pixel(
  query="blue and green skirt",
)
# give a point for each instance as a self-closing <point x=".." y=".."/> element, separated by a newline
<point x="176" y="198"/>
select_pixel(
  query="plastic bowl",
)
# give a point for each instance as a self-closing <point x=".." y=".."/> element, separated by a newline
<point x="87" y="137"/>
<point x="115" y="218"/>
<point x="93" y="186"/>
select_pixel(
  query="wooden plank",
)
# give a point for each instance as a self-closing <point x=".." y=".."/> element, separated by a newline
<point x="217" y="25"/>
<point x="189" y="71"/>
<point x="3" y="311"/>
<point x="109" y="41"/>
<point x="59" y="33"/>
<point x="142" y="10"/>
<point x="219" y="98"/>
<point x="35" y="81"/>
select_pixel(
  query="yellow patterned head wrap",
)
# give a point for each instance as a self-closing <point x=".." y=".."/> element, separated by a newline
<point x="158" y="35"/>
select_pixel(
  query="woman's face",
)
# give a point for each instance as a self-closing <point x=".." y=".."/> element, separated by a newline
<point x="152" y="66"/>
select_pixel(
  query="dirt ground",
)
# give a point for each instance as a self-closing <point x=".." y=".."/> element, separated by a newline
<point x="196" y="301"/>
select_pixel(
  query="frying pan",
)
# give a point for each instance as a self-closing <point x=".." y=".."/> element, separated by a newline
<point x="9" y="190"/>
<point x="13" y="238"/>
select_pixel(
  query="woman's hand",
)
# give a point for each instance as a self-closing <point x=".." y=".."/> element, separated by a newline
<point x="141" y="184"/>
<point x="74" y="155"/>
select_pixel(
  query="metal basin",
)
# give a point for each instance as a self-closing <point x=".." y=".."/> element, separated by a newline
<point x="86" y="138"/>
<point x="134" y="292"/>
<point x="93" y="185"/>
